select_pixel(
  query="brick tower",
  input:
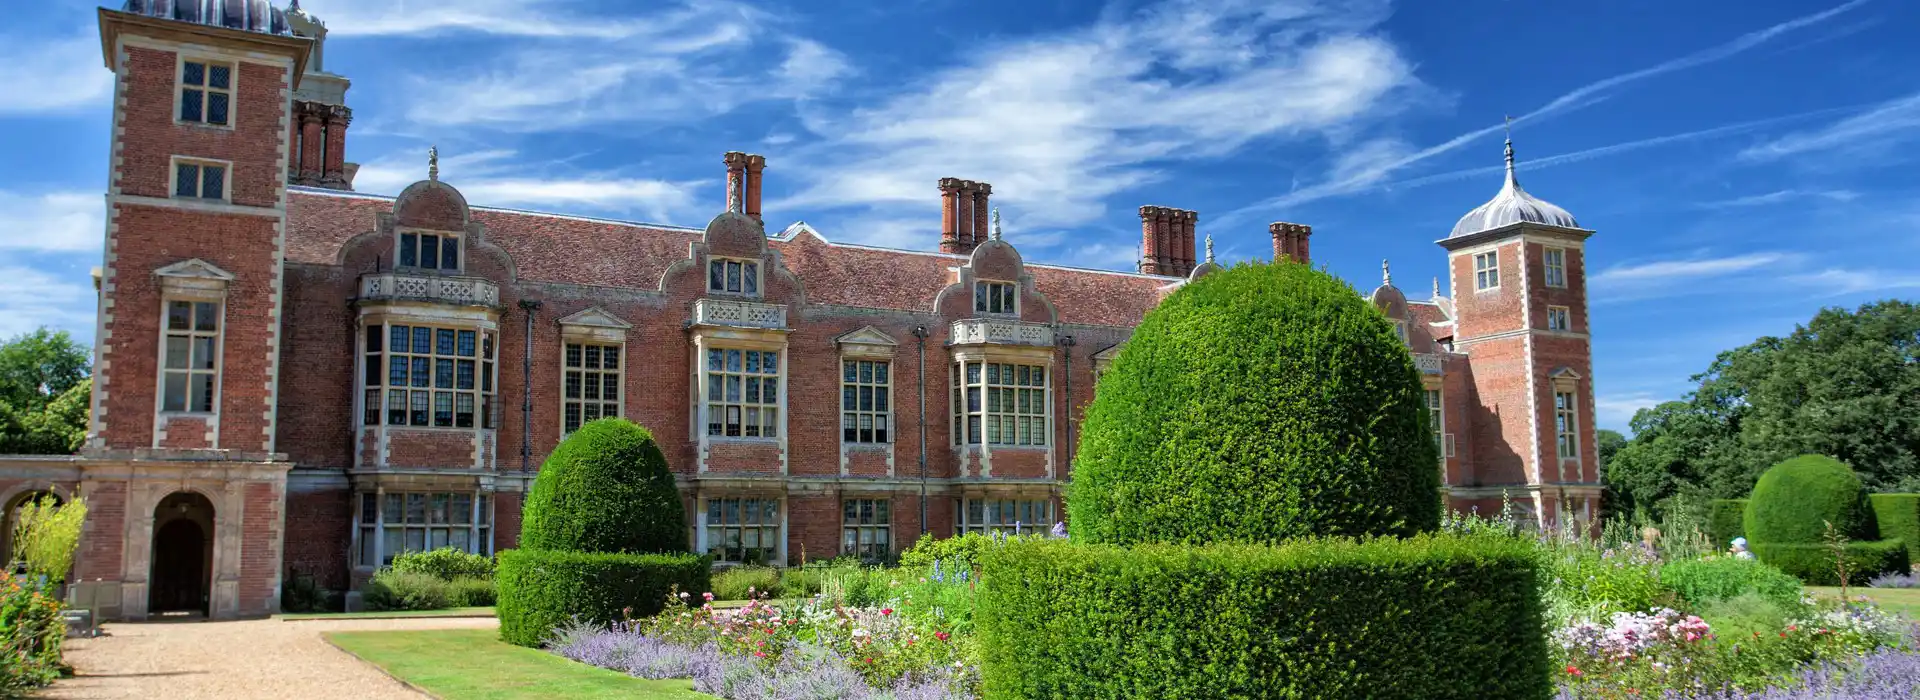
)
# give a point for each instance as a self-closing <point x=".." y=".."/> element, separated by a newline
<point x="1518" y="269"/>
<point x="188" y="340"/>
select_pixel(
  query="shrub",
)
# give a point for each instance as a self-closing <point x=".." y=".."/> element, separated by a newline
<point x="1795" y="499"/>
<point x="300" y="593"/>
<point x="1814" y="563"/>
<point x="1426" y="617"/>
<point x="445" y="563"/>
<point x="405" y="590"/>
<point x="1739" y="617"/>
<point x="31" y="631"/>
<point x="960" y="550"/>
<point x="732" y="583"/>
<point x="539" y="590"/>
<point x="1583" y="582"/>
<point x="1260" y="403"/>
<point x="46" y="535"/>
<point x="471" y="592"/>
<point x="606" y="488"/>
<point x="1699" y="581"/>
<point x="1898" y="515"/>
<point x="1726" y="520"/>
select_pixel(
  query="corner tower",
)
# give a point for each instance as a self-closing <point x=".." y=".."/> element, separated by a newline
<point x="1518" y="269"/>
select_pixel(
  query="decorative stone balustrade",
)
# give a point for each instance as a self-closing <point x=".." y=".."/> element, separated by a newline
<point x="1427" y="363"/>
<point x="988" y="331"/>
<point x="739" y="314"/>
<point x="402" y="286"/>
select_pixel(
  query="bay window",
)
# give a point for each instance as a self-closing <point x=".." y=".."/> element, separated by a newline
<point x="743" y="530"/>
<point x="424" y="376"/>
<point x="743" y="393"/>
<point x="1000" y="404"/>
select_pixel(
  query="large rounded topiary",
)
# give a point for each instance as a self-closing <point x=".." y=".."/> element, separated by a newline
<point x="1795" y="499"/>
<point x="1257" y="404"/>
<point x="605" y="489"/>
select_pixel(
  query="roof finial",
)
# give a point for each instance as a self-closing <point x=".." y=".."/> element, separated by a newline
<point x="736" y="194"/>
<point x="433" y="162"/>
<point x="1436" y="287"/>
<point x="1510" y="178"/>
<point x="996" y="223"/>
<point x="1386" y="274"/>
<point x="1209" y="249"/>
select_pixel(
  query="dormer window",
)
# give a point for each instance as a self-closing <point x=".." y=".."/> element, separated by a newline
<point x="430" y="251"/>
<point x="732" y="276"/>
<point x="996" y="298"/>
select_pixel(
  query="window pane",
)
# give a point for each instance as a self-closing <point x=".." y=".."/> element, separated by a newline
<point x="179" y="315"/>
<point x="879" y="372"/>
<point x="442" y="409"/>
<point x="716" y="275"/>
<point x="463" y="376"/>
<point x="733" y="388"/>
<point x="443" y="342"/>
<point x="733" y="360"/>
<point x="217" y="108"/>
<point x="848" y="400"/>
<point x="396" y="407"/>
<point x="466" y="343"/>
<point x="751" y="279"/>
<point x="206" y="316"/>
<point x="409" y="257"/>
<point x="177" y="351"/>
<point x="219" y="76"/>
<point x="733" y="276"/>
<point x="418" y="404"/>
<point x="753" y="390"/>
<point x="193" y="73"/>
<point x="203" y="355"/>
<point x="753" y="362"/>
<point x="174" y="394"/>
<point x="443" y="374"/>
<point x="190" y="105"/>
<point x="430" y="252"/>
<point x="186" y="180"/>
<point x="463" y="411"/>
<point x="449" y="253"/>
<point x="201" y="396"/>
<point x="375" y="365"/>
<point x="770" y="362"/>
<point x="979" y="296"/>
<point x="769" y="390"/>
<point x="422" y="340"/>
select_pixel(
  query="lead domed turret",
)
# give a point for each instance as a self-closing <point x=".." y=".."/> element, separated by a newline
<point x="1512" y="205"/>
<point x="246" y="15"/>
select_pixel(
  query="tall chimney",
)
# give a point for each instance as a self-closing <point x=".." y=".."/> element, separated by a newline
<point x="334" y="173"/>
<point x="1166" y="240"/>
<point x="756" y="164"/>
<point x="1290" y="241"/>
<point x="981" y="209"/>
<point x="949" y="215"/>
<point x="1150" y="238"/>
<point x="736" y="180"/>
<point x="1188" y="219"/>
<point x="963" y="219"/>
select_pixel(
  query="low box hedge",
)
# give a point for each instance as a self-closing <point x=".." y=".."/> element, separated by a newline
<point x="1814" y="564"/>
<point x="1426" y="617"/>
<point x="1725" y="521"/>
<point x="540" y="590"/>
<point x="1899" y="516"/>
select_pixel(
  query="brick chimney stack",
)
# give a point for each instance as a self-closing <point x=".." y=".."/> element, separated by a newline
<point x="736" y="180"/>
<point x="756" y="164"/>
<point x="1290" y="241"/>
<point x="964" y="208"/>
<point x="1166" y="240"/>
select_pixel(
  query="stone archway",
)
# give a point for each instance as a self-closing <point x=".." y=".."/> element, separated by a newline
<point x="182" y="576"/>
<point x="9" y="519"/>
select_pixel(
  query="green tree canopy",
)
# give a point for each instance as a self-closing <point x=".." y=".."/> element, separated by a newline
<point x="1257" y="404"/>
<point x="1845" y="385"/>
<point x="37" y="367"/>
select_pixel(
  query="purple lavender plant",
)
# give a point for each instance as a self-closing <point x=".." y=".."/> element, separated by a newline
<point x="1906" y="580"/>
<point x="1059" y="531"/>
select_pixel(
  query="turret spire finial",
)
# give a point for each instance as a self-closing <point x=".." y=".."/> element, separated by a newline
<point x="1386" y="274"/>
<point x="996" y="223"/>
<point x="1436" y="287"/>
<point x="433" y="162"/>
<point x="1210" y="249"/>
<point x="1510" y="178"/>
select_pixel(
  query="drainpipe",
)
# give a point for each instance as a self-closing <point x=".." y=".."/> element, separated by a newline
<point x="526" y="390"/>
<point x="920" y="334"/>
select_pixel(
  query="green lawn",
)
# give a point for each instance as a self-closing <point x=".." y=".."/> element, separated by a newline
<point x="475" y="664"/>
<point x="1905" y="601"/>
<point x="386" y="614"/>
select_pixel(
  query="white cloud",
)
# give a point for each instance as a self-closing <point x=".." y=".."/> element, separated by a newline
<point x="522" y="18"/>
<point x="1058" y="123"/>
<point x="1616" y="410"/>
<point x="497" y="178"/>
<point x="52" y="222"/>
<point x="32" y="297"/>
<point x="43" y="75"/>
<point x="675" y="64"/>
<point x="1359" y="176"/>
<point x="1672" y="271"/>
<point x="1869" y="134"/>
<point x="1838" y="281"/>
<point x="1782" y="196"/>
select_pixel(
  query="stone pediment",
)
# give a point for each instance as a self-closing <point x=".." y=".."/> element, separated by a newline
<point x="195" y="279"/>
<point x="195" y="269"/>
<point x="1564" y="374"/>
<point x="866" y="336"/>
<point x="596" y="317"/>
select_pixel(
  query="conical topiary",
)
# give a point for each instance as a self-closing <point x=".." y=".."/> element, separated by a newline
<point x="1257" y="404"/>
<point x="605" y="489"/>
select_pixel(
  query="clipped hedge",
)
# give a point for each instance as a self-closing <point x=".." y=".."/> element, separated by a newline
<point x="1795" y="499"/>
<point x="1699" y="581"/>
<point x="1899" y="517"/>
<point x="606" y="488"/>
<point x="1725" y="521"/>
<point x="1814" y="564"/>
<point x="1426" y="617"/>
<point x="541" y="590"/>
<point x="1260" y="403"/>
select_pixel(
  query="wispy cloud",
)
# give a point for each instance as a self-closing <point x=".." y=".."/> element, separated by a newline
<point x="499" y="178"/>
<point x="521" y="18"/>
<point x="1662" y="278"/>
<point x="1835" y="281"/>
<point x="675" y="64"/>
<point x="33" y="297"/>
<point x="52" y="75"/>
<point x="1781" y="197"/>
<point x="54" y="222"/>
<point x="1869" y="135"/>
<point x="1616" y="410"/>
<point x="1358" y="177"/>
<point x="1068" y="119"/>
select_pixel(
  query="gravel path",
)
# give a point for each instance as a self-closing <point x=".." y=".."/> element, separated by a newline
<point x="246" y="659"/>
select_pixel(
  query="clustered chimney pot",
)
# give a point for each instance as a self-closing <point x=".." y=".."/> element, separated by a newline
<point x="964" y="209"/>
<point x="1290" y="241"/>
<point x="1166" y="240"/>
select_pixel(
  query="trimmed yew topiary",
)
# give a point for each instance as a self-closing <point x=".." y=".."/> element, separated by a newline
<point x="605" y="489"/>
<point x="1795" y="500"/>
<point x="1260" y="403"/>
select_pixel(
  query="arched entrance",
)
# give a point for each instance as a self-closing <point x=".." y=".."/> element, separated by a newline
<point x="9" y="519"/>
<point x="182" y="577"/>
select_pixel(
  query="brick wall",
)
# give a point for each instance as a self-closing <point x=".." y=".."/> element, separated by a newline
<point x="103" y="536"/>
<point x="260" y="542"/>
<point x="320" y="523"/>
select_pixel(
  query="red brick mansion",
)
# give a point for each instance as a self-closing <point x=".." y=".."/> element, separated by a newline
<point x="295" y="378"/>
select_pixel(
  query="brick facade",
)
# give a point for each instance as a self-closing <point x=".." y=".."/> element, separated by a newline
<point x="416" y="396"/>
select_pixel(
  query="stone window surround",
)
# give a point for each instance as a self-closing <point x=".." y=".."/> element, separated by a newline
<point x="480" y="521"/>
<point x="1566" y="383"/>
<point x="759" y="281"/>
<point x="593" y="326"/>
<point x="1559" y="318"/>
<point x="1554" y="263"/>
<point x="173" y="178"/>
<point x="1011" y="288"/>
<point x="880" y="524"/>
<point x="461" y="244"/>
<point x="964" y="524"/>
<point x="484" y="321"/>
<point x="999" y="355"/>
<point x="182" y="57"/>
<point x="1486" y="271"/>
<point x="704" y="499"/>
<point x="189" y="280"/>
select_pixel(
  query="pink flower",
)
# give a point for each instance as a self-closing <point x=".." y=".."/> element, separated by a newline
<point x="886" y="611"/>
<point x="708" y="596"/>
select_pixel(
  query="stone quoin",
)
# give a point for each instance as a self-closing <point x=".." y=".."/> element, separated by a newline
<point x="296" y="379"/>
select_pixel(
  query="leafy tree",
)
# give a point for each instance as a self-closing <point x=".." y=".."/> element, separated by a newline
<point x="59" y="427"/>
<point x="1845" y="385"/>
<point x="37" y="367"/>
<point x="1610" y="443"/>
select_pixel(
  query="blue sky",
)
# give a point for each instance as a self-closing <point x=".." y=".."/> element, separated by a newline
<point x="1744" y="164"/>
